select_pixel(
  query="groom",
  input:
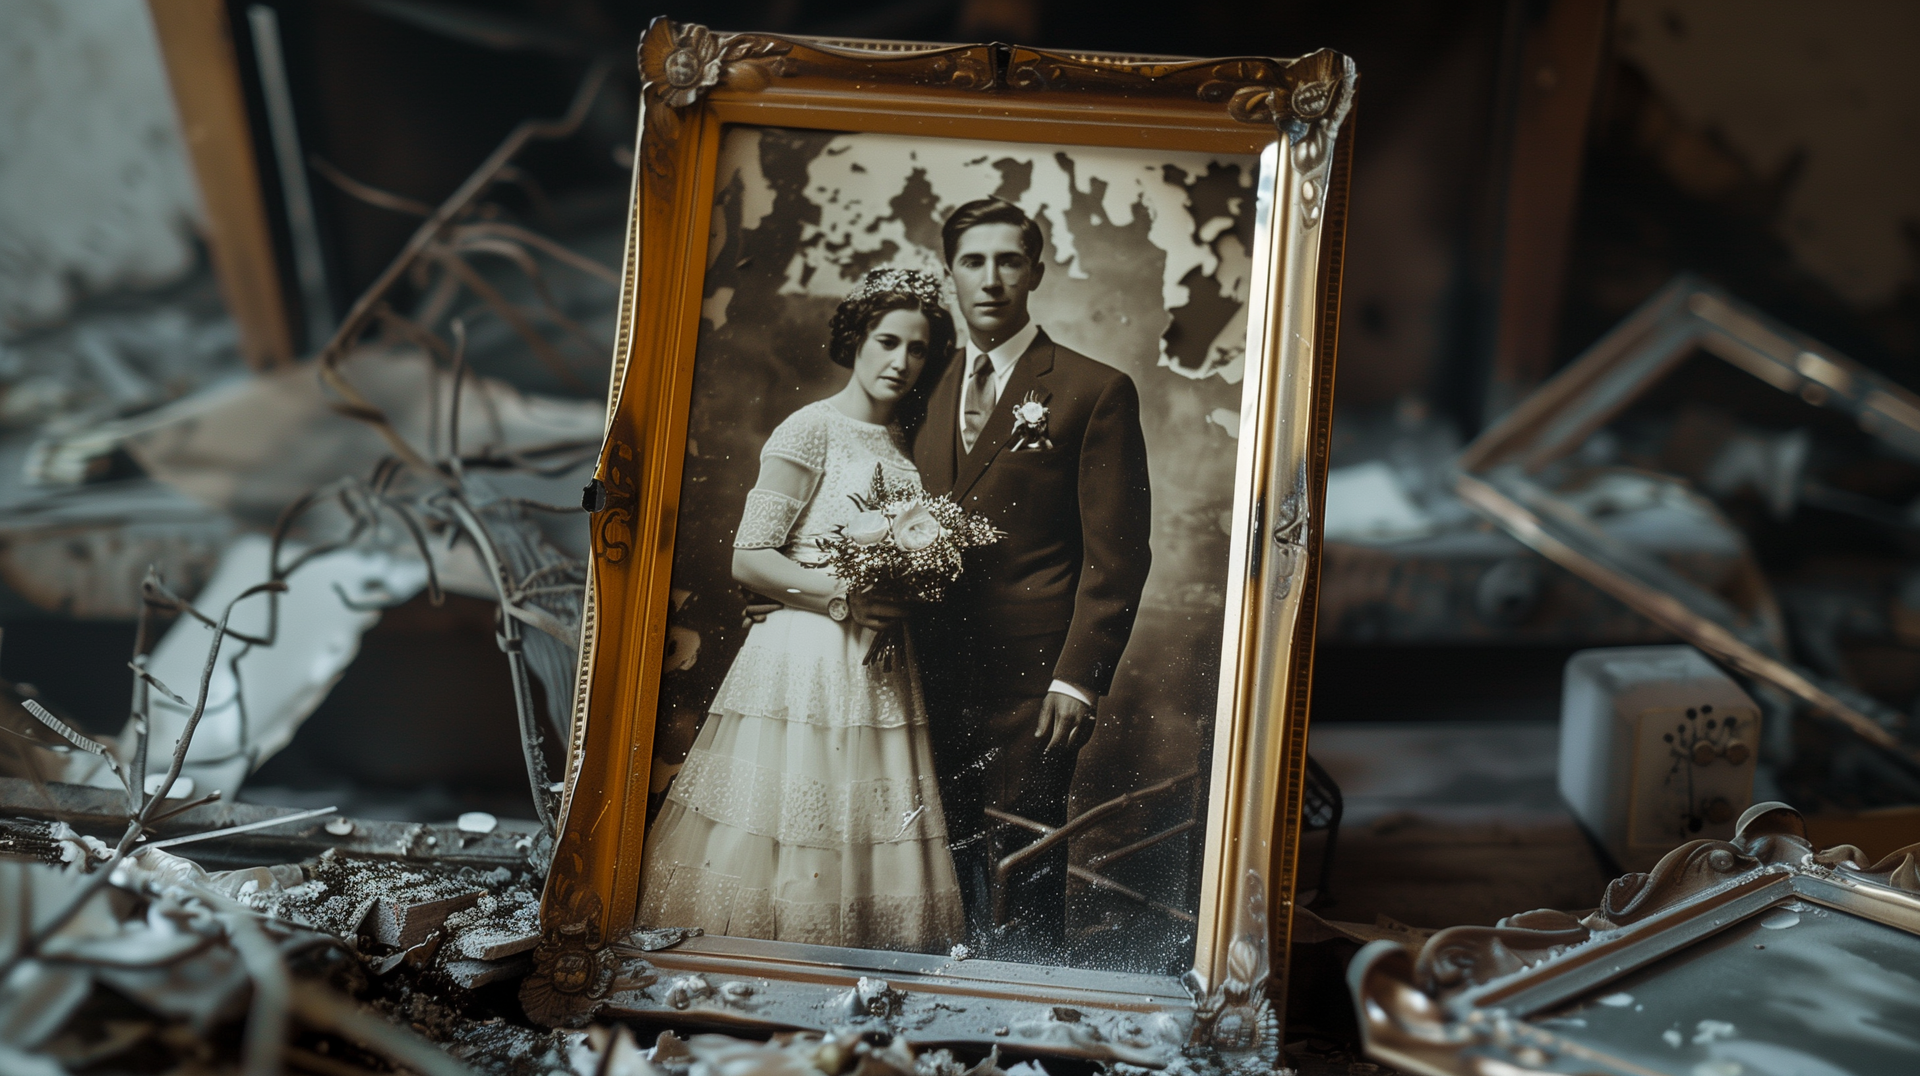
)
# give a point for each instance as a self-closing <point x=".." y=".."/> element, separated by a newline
<point x="1046" y="443"/>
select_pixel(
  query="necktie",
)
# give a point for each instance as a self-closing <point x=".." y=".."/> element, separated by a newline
<point x="979" y="403"/>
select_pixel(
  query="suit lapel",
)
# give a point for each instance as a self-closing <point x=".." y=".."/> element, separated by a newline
<point x="1034" y="365"/>
<point x="935" y="443"/>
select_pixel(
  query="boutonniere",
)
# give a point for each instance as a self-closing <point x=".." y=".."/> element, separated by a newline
<point x="1030" y="424"/>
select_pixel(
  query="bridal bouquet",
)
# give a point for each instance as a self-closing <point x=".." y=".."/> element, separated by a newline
<point x="905" y="543"/>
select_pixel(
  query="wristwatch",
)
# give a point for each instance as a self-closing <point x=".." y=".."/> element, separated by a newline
<point x="838" y="609"/>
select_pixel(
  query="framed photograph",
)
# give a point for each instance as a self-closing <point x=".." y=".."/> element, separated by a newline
<point x="945" y="667"/>
<point x="1759" y="954"/>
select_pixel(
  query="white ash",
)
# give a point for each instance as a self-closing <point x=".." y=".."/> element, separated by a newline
<point x="341" y="891"/>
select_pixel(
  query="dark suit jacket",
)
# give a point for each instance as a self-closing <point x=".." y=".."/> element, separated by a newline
<point x="1076" y="515"/>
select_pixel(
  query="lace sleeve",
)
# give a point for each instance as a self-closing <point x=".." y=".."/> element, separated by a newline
<point x="768" y="519"/>
<point x="800" y="440"/>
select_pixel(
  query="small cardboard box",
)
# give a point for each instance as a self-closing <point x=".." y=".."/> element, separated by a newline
<point x="1657" y="748"/>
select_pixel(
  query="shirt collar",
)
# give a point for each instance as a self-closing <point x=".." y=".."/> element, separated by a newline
<point x="1004" y="356"/>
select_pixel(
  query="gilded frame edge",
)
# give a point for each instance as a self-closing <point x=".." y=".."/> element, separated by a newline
<point x="1473" y="1024"/>
<point x="1290" y="113"/>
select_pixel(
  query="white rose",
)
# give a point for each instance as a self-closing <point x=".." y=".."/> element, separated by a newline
<point x="1030" y="413"/>
<point x="915" y="528"/>
<point x="867" y="528"/>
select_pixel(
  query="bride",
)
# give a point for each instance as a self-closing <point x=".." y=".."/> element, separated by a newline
<point x="807" y="810"/>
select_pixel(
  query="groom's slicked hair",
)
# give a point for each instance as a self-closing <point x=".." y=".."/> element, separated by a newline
<point x="991" y="211"/>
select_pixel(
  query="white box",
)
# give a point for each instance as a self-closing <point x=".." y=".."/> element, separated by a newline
<point x="1657" y="748"/>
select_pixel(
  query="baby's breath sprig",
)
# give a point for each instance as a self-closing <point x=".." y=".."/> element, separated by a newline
<point x="905" y="543"/>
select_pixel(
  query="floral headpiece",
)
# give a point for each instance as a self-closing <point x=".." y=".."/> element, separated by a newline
<point x="922" y="286"/>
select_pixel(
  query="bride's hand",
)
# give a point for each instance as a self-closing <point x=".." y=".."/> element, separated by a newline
<point x="875" y="611"/>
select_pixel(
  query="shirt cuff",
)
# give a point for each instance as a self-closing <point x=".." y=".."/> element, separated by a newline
<point x="1065" y="688"/>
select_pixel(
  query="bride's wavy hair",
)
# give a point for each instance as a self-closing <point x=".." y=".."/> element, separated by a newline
<point x="880" y="292"/>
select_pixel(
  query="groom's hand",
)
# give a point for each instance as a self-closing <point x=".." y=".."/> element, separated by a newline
<point x="1064" y="720"/>
<point x="758" y="607"/>
<point x="875" y="611"/>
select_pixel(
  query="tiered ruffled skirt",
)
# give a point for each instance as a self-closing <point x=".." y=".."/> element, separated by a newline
<point x="807" y="810"/>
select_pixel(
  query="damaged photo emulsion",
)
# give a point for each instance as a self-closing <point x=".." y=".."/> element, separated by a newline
<point x="951" y="561"/>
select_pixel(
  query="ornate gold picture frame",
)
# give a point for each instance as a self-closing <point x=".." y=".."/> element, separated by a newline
<point x="1278" y="125"/>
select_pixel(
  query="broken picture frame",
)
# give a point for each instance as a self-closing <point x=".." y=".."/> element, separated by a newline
<point x="782" y="821"/>
<point x="1526" y="474"/>
<point x="1759" y="954"/>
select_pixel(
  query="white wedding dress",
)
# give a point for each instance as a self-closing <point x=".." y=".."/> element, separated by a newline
<point x="808" y="810"/>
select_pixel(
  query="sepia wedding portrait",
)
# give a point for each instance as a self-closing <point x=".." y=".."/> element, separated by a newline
<point x="945" y="658"/>
<point x="1049" y="340"/>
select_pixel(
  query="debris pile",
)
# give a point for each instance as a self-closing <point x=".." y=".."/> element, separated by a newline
<point x="335" y="965"/>
<point x="604" y="1051"/>
<point x="336" y="944"/>
<point x="464" y="926"/>
<point x="153" y="964"/>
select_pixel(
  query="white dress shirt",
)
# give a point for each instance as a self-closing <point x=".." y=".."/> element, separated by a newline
<point x="1004" y="358"/>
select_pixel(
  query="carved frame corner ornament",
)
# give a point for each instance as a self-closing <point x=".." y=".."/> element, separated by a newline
<point x="1235" y="1027"/>
<point x="1224" y="1015"/>
<point x="575" y="972"/>
<point x="680" y="62"/>
<point x="1307" y="101"/>
<point x="1460" y="1005"/>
